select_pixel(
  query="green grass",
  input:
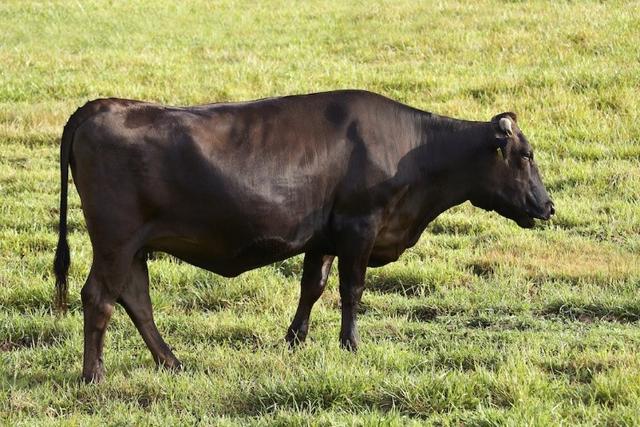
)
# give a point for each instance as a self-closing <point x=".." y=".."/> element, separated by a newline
<point x="482" y="323"/>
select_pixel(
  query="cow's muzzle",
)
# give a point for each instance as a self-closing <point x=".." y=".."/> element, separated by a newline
<point x="550" y="210"/>
<point x="545" y="213"/>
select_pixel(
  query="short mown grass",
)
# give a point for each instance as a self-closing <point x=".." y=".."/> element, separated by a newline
<point x="482" y="323"/>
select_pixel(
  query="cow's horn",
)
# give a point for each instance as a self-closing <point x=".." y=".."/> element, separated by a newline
<point x="505" y="125"/>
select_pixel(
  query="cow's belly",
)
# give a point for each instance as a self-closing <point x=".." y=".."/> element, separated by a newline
<point x="229" y="233"/>
<point x="228" y="261"/>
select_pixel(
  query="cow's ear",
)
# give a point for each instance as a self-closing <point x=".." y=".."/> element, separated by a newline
<point x="503" y="123"/>
<point x="507" y="114"/>
<point x="503" y="126"/>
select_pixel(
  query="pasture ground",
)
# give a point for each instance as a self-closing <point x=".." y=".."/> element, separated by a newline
<point x="482" y="323"/>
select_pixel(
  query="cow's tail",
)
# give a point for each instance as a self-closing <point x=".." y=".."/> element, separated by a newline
<point x="63" y="258"/>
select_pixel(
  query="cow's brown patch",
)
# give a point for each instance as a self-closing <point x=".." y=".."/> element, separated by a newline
<point x="139" y="117"/>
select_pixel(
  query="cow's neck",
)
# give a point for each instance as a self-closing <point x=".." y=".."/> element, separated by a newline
<point x="436" y="174"/>
<point x="446" y="144"/>
<point x="448" y="156"/>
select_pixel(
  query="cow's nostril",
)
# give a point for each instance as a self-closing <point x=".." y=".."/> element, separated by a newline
<point x="552" y="209"/>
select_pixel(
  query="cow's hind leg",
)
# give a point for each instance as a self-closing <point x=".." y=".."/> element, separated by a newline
<point x="136" y="301"/>
<point x="97" y="306"/>
<point x="314" y="279"/>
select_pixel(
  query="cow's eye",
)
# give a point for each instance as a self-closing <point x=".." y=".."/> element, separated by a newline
<point x="528" y="155"/>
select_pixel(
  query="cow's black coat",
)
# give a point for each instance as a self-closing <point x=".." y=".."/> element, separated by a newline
<point x="231" y="187"/>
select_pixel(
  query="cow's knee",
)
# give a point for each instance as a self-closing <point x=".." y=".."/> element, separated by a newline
<point x="314" y="291"/>
<point x="96" y="302"/>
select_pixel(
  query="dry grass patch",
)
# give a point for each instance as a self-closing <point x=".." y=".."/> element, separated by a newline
<point x="562" y="258"/>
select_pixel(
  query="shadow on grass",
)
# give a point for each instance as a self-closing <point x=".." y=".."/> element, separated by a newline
<point x="206" y="303"/>
<point x="424" y="313"/>
<point x="510" y="323"/>
<point x="401" y="282"/>
<point x="592" y="312"/>
<point x="482" y="268"/>
<point x="445" y="226"/>
<point x="237" y="336"/>
<point x="30" y="300"/>
<point x="32" y="339"/>
<point x="582" y="373"/>
<point x="468" y="361"/>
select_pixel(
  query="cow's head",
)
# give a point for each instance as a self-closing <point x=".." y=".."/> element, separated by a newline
<point x="509" y="182"/>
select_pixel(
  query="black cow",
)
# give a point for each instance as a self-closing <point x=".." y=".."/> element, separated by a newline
<point x="234" y="186"/>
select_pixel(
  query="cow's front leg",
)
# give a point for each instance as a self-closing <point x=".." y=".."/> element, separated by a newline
<point x="353" y="257"/>
<point x="314" y="279"/>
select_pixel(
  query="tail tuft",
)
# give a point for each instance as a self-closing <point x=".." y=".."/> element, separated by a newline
<point x="61" y="268"/>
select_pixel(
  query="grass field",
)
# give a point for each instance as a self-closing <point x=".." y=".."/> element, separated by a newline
<point x="482" y="323"/>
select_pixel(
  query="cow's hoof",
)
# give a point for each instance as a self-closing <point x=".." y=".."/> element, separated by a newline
<point x="171" y="365"/>
<point x="295" y="338"/>
<point x="94" y="377"/>
<point x="349" y="343"/>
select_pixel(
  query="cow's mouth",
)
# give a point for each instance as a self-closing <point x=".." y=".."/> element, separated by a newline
<point x="528" y="218"/>
<point x="523" y="218"/>
<point x="526" y="221"/>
